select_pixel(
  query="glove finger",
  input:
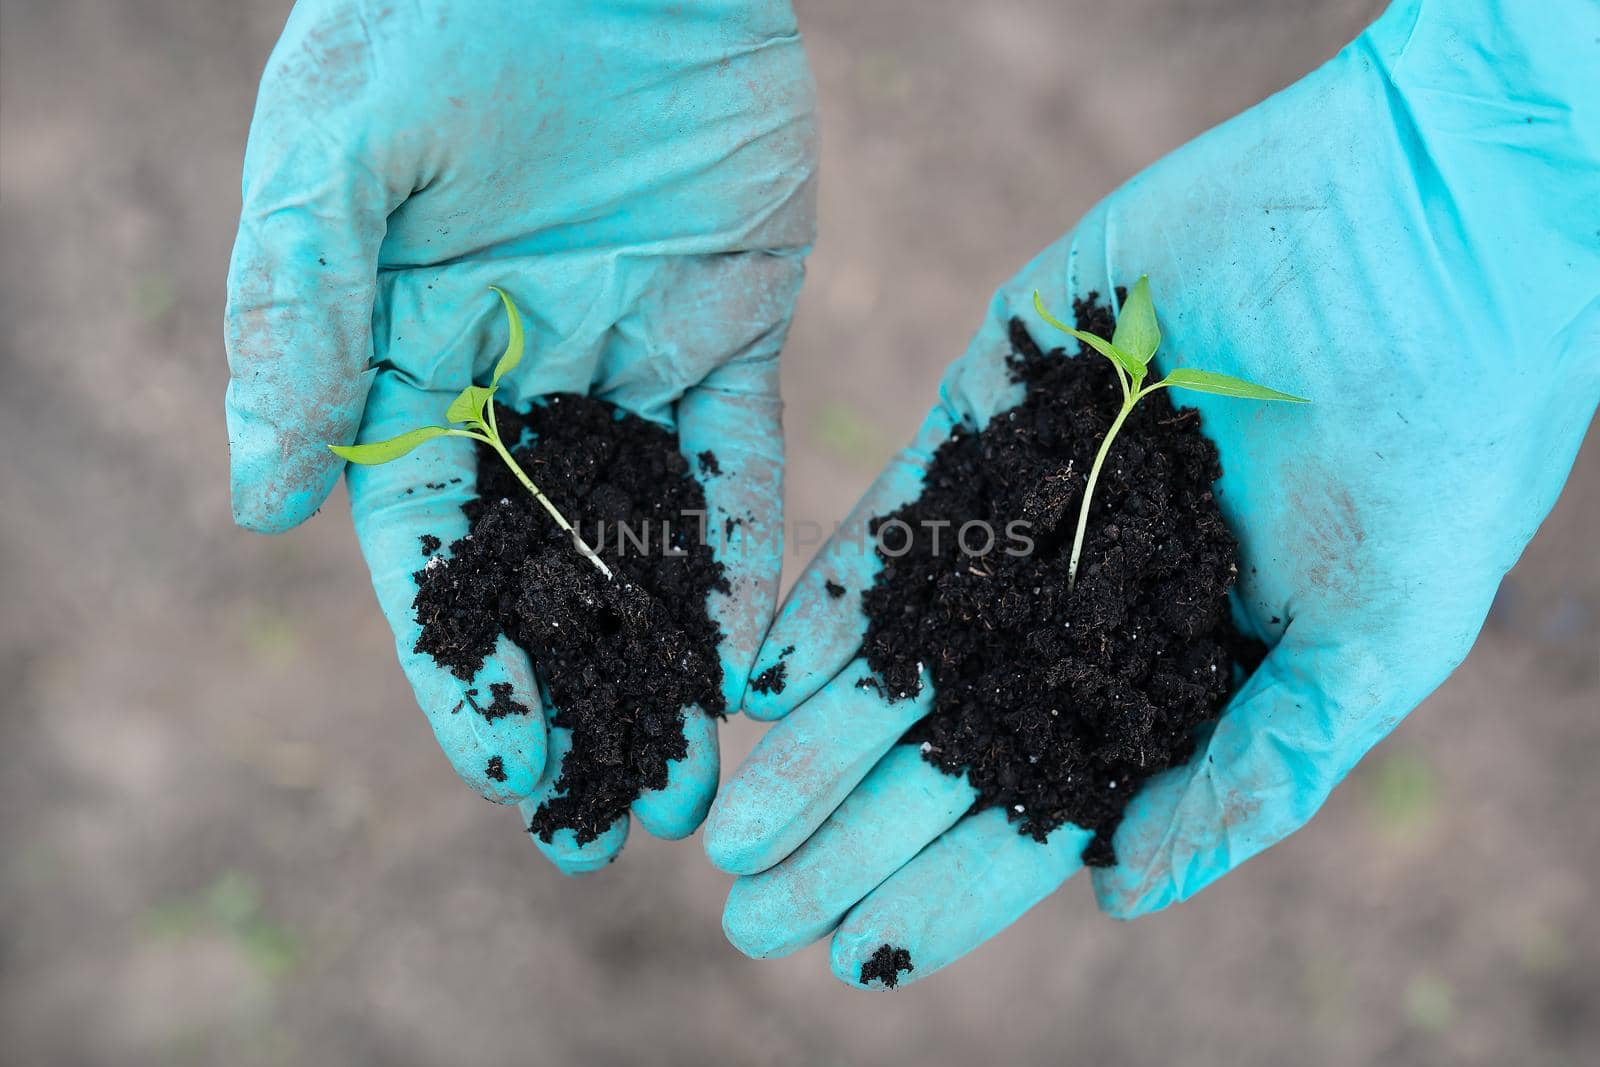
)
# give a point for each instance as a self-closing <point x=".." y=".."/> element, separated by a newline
<point x="563" y="849"/>
<point x="573" y="859"/>
<point x="963" y="889"/>
<point x="821" y="624"/>
<point x="1290" y="734"/>
<point x="301" y="283"/>
<point x="730" y="430"/>
<point x="678" y="808"/>
<point x="902" y="805"/>
<point x="491" y="727"/>
<point x="802" y="768"/>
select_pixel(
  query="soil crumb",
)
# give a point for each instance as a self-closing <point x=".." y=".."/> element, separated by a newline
<point x="619" y="660"/>
<point x="501" y="703"/>
<point x="835" y="590"/>
<point x="886" y="965"/>
<point x="1058" y="705"/>
<point x="772" y="680"/>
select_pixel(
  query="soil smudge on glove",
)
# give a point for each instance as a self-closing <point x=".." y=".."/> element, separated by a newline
<point x="886" y="965"/>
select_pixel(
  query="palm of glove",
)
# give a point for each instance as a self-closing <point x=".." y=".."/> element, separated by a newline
<point x="638" y="180"/>
<point x="1348" y="241"/>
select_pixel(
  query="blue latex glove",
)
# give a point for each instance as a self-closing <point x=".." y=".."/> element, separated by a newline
<point x="637" y="176"/>
<point x="1410" y="236"/>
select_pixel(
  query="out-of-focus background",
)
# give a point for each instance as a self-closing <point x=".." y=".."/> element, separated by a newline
<point x="228" y="836"/>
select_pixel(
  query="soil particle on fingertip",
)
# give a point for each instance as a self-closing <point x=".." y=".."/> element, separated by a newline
<point x="430" y="544"/>
<point x="1057" y="705"/>
<point x="501" y="705"/>
<point x="886" y="964"/>
<point x="708" y="464"/>
<point x="835" y="590"/>
<point x="496" y="769"/>
<point x="620" y="660"/>
<point x="772" y="680"/>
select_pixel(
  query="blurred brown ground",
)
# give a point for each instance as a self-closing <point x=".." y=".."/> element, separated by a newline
<point x="229" y="837"/>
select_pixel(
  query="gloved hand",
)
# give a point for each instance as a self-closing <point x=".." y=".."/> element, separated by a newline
<point x="1408" y="236"/>
<point x="638" y="176"/>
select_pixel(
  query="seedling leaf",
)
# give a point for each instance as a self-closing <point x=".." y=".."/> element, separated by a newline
<point x="393" y="448"/>
<point x="1205" y="381"/>
<point x="1116" y="355"/>
<point x="1038" y="306"/>
<point x="1137" y="334"/>
<point x="468" y="404"/>
<point x="513" y="353"/>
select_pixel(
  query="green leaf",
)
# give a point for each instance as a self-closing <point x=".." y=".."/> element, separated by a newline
<point x="1038" y="306"/>
<point x="468" y="405"/>
<point x="1116" y="355"/>
<point x="384" y="451"/>
<point x="513" y="354"/>
<point x="1205" y="381"/>
<point x="1137" y="333"/>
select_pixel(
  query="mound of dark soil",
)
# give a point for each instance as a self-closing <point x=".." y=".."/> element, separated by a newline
<point x="621" y="659"/>
<point x="1059" y="704"/>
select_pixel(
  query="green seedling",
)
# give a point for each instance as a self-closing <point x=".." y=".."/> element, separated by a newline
<point x="473" y="409"/>
<point x="1133" y="344"/>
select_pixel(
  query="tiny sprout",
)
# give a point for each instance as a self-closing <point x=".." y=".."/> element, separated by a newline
<point x="1132" y="346"/>
<point x="474" y="408"/>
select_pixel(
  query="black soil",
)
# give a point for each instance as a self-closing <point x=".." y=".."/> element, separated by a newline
<point x="500" y="704"/>
<point x="621" y="659"/>
<point x="772" y="680"/>
<point x="776" y="677"/>
<point x="886" y="965"/>
<point x="1059" y="704"/>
